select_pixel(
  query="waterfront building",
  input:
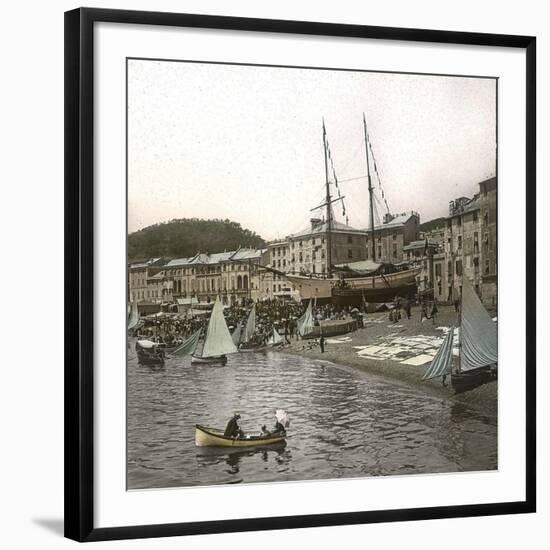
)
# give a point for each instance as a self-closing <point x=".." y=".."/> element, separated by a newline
<point x="470" y="247"/>
<point x="232" y="276"/>
<point x="392" y="235"/>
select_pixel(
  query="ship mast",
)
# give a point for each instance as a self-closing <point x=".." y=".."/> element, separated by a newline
<point x="371" y="202"/>
<point x="328" y="201"/>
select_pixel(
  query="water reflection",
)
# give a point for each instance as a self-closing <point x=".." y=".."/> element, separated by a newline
<point x="344" y="424"/>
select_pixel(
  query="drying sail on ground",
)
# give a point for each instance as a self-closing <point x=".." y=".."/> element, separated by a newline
<point x="442" y="362"/>
<point x="478" y="332"/>
<point x="189" y="346"/>
<point x="218" y="339"/>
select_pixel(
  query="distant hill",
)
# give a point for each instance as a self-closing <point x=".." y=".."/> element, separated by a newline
<point x="185" y="237"/>
<point x="433" y="224"/>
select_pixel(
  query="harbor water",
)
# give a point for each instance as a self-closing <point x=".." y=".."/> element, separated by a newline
<point x="344" y="423"/>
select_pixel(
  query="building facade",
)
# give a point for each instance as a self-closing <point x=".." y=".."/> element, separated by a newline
<point x="470" y="247"/>
<point x="392" y="236"/>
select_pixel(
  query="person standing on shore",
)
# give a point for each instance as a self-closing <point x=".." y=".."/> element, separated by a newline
<point x="322" y="343"/>
<point x="434" y="312"/>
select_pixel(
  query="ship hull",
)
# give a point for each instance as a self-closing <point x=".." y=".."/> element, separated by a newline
<point x="376" y="288"/>
<point x="468" y="380"/>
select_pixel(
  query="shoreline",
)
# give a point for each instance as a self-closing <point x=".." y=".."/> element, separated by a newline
<point x="343" y="350"/>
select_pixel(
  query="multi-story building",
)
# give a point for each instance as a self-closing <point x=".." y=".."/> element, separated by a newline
<point x="138" y="274"/>
<point x="470" y="247"/>
<point x="392" y="235"/>
<point x="233" y="276"/>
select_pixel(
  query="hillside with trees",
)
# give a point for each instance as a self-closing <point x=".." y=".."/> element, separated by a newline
<point x="185" y="237"/>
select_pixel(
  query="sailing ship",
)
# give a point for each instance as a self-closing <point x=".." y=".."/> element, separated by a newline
<point x="477" y="346"/>
<point x="375" y="282"/>
<point x="217" y="342"/>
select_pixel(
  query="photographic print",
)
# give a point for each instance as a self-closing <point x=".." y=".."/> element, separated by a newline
<point x="311" y="273"/>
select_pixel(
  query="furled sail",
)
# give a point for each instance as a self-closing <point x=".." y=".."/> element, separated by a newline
<point x="478" y="336"/>
<point x="275" y="338"/>
<point x="133" y="317"/>
<point x="443" y="360"/>
<point x="218" y="339"/>
<point x="189" y="346"/>
<point x="236" y="336"/>
<point x="250" y="326"/>
<point x="305" y="322"/>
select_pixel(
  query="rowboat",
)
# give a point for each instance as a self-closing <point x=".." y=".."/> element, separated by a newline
<point x="210" y="437"/>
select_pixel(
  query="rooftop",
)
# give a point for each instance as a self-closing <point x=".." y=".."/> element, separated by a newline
<point x="321" y="228"/>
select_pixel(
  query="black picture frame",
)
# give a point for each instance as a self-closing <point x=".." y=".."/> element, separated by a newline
<point x="79" y="267"/>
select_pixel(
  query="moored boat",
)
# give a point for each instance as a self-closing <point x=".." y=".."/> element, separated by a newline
<point x="478" y="350"/>
<point x="211" y="437"/>
<point x="217" y="342"/>
<point x="149" y="353"/>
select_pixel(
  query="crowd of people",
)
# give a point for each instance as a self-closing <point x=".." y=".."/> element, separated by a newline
<point x="173" y="328"/>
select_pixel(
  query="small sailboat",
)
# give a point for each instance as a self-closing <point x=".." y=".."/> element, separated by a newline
<point x="248" y="337"/>
<point x="478" y="350"/>
<point x="189" y="346"/>
<point x="275" y="339"/>
<point x="133" y="316"/>
<point x="305" y="322"/>
<point x="218" y="342"/>
<point x="236" y="336"/>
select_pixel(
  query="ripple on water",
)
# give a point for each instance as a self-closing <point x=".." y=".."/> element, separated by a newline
<point x="343" y="424"/>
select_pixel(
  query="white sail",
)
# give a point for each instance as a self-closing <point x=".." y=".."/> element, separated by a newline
<point x="305" y="322"/>
<point x="443" y="361"/>
<point x="236" y="336"/>
<point x="478" y="332"/>
<point x="133" y="318"/>
<point x="250" y="327"/>
<point x="275" y="338"/>
<point x="218" y="339"/>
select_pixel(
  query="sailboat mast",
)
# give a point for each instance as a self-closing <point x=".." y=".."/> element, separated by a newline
<point x="329" y="220"/>
<point x="371" y="202"/>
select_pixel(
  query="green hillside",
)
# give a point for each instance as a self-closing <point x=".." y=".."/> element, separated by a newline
<point x="185" y="237"/>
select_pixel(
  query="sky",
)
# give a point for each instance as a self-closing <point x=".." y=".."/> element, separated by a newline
<point x="246" y="142"/>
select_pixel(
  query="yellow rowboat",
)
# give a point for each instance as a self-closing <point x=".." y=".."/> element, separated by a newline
<point x="209" y="437"/>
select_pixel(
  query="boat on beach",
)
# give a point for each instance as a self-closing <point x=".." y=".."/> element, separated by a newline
<point x="248" y="341"/>
<point x="217" y="342"/>
<point x="477" y="345"/>
<point x="355" y="282"/>
<point x="211" y="437"/>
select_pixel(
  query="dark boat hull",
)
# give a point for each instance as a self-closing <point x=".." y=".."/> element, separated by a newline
<point x="218" y="360"/>
<point x="149" y="359"/>
<point x="466" y="381"/>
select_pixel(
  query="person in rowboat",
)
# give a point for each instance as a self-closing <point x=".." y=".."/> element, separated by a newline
<point x="233" y="429"/>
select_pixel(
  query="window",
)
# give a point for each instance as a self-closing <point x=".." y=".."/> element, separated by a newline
<point x="438" y="270"/>
<point x="475" y="215"/>
<point x="486" y="219"/>
<point x="459" y="221"/>
<point x="350" y="254"/>
<point x="459" y="267"/>
<point x="350" y="239"/>
<point x="476" y="243"/>
<point x="394" y="236"/>
<point x="449" y="269"/>
<point x="379" y="252"/>
<point x="395" y="251"/>
<point x="459" y="242"/>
